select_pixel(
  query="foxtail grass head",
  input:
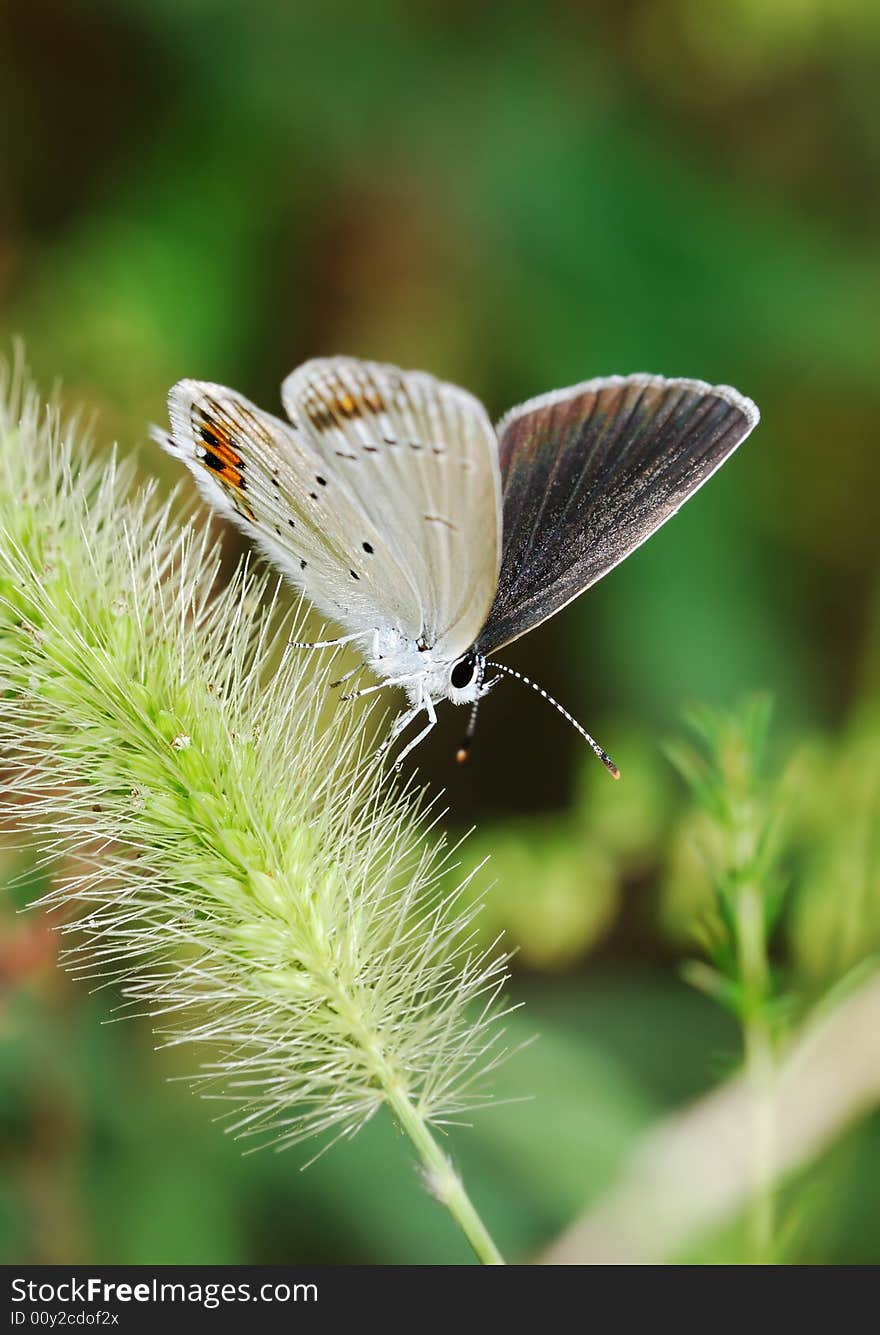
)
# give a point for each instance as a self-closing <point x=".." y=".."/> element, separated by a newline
<point x="228" y="854"/>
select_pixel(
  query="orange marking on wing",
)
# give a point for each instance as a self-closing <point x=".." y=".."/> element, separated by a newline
<point x="216" y="434"/>
<point x="230" y="475"/>
<point x="229" y="456"/>
<point x="231" y="482"/>
<point x="217" y="461"/>
<point x="218" y="440"/>
<point x="317" y="413"/>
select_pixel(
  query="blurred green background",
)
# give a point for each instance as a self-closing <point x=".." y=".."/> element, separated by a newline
<point x="516" y="197"/>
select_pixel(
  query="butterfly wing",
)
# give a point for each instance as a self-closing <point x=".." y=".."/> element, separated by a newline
<point x="271" y="481"/>
<point x="422" y="458"/>
<point x="589" y="473"/>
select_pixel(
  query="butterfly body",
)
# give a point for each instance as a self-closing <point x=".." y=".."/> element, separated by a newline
<point x="431" y="538"/>
<point x="421" y="671"/>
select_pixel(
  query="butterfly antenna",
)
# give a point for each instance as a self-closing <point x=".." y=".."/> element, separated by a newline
<point x="591" y="742"/>
<point x="464" y="749"/>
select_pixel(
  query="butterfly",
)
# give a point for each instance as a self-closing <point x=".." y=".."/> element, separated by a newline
<point x="433" y="538"/>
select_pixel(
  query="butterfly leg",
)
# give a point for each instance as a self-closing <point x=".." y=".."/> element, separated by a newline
<point x="326" y="644"/>
<point x="359" y="667"/>
<point x="369" y="690"/>
<point x="400" y="724"/>
<point x="428" y="705"/>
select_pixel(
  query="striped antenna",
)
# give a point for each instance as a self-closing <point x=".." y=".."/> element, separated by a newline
<point x="464" y="749"/>
<point x="591" y="742"/>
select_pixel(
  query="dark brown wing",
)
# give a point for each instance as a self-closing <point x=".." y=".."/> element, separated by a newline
<point x="589" y="473"/>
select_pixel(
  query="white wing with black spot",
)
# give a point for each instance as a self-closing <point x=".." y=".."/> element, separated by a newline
<point x="296" y="503"/>
<point x="422" y="458"/>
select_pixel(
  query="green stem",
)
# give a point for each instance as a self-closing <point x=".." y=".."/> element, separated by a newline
<point x="443" y="1180"/>
<point x="760" y="1070"/>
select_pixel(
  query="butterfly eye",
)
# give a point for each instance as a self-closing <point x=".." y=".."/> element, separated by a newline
<point x="463" y="671"/>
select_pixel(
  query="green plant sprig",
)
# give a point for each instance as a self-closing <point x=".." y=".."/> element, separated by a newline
<point x="742" y="812"/>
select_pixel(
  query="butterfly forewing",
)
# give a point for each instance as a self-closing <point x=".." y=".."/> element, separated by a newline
<point x="295" y="503"/>
<point x="589" y="473"/>
<point x="421" y="456"/>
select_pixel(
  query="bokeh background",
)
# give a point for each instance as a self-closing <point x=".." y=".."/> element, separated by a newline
<point x="516" y="197"/>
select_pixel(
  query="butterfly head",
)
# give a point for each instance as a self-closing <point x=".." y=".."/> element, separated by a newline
<point x="466" y="675"/>
<point x="467" y="686"/>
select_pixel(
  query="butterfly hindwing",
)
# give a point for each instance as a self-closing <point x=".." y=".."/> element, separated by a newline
<point x="589" y="473"/>
<point x="283" y="493"/>
<point x="421" y="456"/>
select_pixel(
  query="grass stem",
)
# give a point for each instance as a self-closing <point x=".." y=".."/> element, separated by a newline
<point x="442" y="1179"/>
<point x="760" y="1070"/>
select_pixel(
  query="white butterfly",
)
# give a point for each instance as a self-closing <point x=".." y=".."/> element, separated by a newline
<point x="432" y="538"/>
